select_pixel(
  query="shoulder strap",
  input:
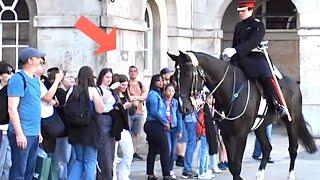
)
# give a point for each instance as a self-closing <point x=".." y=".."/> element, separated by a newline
<point x="23" y="79"/>
<point x="140" y="85"/>
<point x="100" y="90"/>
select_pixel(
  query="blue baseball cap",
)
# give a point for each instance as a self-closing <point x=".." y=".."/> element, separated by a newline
<point x="30" y="52"/>
<point x="165" y="71"/>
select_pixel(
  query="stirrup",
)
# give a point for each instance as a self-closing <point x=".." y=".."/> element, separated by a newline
<point x="281" y="111"/>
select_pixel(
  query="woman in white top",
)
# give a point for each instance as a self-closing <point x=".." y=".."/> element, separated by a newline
<point x="106" y="143"/>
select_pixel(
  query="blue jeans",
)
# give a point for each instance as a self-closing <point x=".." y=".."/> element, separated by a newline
<point x="23" y="160"/>
<point x="172" y="140"/>
<point x="191" y="145"/>
<point x="184" y="137"/>
<point x="257" y="147"/>
<point x="203" y="155"/>
<point x="5" y="157"/>
<point x="62" y="156"/>
<point x="84" y="167"/>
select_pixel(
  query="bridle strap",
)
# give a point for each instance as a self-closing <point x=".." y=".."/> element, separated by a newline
<point x="221" y="81"/>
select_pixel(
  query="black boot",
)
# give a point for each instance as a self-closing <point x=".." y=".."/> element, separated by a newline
<point x="180" y="161"/>
<point x="272" y="97"/>
<point x="281" y="111"/>
<point x="152" y="177"/>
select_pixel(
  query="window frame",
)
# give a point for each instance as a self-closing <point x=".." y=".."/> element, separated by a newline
<point x="17" y="22"/>
<point x="148" y="44"/>
<point x="264" y="17"/>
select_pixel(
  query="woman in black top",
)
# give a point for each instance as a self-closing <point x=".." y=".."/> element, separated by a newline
<point x="122" y="96"/>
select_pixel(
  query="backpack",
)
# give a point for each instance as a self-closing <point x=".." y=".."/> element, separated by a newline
<point x="78" y="111"/>
<point x="4" y="114"/>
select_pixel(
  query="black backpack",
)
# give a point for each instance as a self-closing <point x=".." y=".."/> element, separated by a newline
<point x="78" y="111"/>
<point x="4" y="114"/>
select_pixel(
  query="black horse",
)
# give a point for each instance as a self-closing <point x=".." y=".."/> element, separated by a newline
<point x="226" y="80"/>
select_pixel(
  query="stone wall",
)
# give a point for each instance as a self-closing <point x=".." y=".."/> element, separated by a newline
<point x="69" y="48"/>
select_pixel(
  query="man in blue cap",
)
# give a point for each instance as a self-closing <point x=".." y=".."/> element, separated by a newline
<point x="24" y="111"/>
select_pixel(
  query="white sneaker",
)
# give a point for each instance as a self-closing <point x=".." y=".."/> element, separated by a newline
<point x="216" y="170"/>
<point x="172" y="174"/>
<point x="209" y="172"/>
<point x="205" y="176"/>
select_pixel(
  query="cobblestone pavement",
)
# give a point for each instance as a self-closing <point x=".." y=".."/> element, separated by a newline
<point x="307" y="166"/>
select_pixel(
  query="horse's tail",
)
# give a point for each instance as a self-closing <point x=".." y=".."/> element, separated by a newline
<point x="300" y="126"/>
<point x="303" y="134"/>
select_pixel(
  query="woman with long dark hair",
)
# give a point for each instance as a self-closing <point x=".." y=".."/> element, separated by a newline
<point x="85" y="139"/>
<point x="156" y="128"/>
<point x="107" y="143"/>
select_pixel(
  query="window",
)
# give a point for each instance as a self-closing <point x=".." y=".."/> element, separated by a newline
<point x="278" y="14"/>
<point x="148" y="42"/>
<point x="14" y="29"/>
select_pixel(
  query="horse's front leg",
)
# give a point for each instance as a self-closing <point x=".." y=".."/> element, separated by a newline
<point x="235" y="148"/>
<point x="293" y="146"/>
<point x="265" y="148"/>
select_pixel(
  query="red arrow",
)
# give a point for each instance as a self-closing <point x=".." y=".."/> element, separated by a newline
<point x="106" y="41"/>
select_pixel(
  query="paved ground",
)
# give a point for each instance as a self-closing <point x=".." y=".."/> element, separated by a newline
<point x="307" y="166"/>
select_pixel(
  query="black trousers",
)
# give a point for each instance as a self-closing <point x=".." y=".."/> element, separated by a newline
<point x="105" y="149"/>
<point x="158" y="143"/>
<point x="212" y="135"/>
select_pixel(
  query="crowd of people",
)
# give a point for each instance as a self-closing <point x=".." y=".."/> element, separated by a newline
<point x="105" y="147"/>
<point x="91" y="126"/>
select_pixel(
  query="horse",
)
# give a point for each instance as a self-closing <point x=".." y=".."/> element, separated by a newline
<point x="240" y="98"/>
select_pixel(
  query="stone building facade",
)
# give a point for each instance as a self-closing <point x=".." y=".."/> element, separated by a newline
<point x="147" y="29"/>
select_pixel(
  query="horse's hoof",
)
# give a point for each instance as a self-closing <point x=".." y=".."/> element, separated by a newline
<point x="291" y="175"/>
<point x="260" y="175"/>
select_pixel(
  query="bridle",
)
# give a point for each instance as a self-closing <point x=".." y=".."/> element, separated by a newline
<point x="196" y="71"/>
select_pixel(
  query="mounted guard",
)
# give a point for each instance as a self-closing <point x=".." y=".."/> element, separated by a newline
<point x="254" y="62"/>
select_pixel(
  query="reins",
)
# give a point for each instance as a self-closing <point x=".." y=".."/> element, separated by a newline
<point x="197" y="69"/>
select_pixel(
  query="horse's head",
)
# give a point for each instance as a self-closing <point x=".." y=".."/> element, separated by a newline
<point x="190" y="80"/>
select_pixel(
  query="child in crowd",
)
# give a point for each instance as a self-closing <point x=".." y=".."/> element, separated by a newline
<point x="174" y="119"/>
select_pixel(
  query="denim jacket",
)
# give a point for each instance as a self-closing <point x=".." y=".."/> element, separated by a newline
<point x="175" y="114"/>
<point x="156" y="108"/>
<point x="191" y="117"/>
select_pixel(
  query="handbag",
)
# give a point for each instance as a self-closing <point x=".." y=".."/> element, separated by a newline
<point x="43" y="166"/>
<point x="53" y="126"/>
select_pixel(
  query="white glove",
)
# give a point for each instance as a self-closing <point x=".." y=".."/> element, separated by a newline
<point x="115" y="85"/>
<point x="229" y="52"/>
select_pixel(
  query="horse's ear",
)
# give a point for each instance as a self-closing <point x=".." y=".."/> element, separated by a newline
<point x="182" y="53"/>
<point x="172" y="56"/>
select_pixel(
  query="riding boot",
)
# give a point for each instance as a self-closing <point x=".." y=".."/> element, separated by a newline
<point x="273" y="97"/>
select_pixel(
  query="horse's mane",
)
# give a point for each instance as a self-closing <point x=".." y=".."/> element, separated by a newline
<point x="213" y="58"/>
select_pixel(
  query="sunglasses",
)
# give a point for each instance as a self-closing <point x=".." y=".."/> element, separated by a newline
<point x="9" y="71"/>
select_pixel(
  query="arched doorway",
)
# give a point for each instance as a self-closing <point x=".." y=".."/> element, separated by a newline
<point x="281" y="20"/>
<point x="155" y="43"/>
<point x="16" y="29"/>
